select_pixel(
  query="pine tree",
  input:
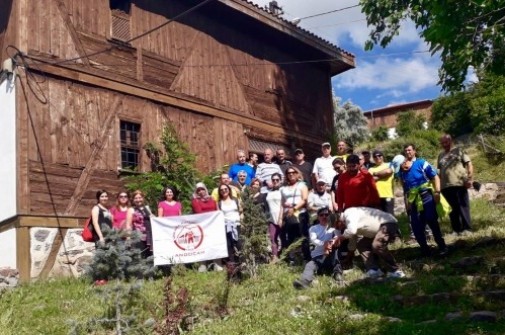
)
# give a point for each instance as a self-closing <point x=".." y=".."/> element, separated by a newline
<point x="254" y="230"/>
<point x="120" y="258"/>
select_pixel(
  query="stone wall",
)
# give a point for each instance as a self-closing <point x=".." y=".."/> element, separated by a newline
<point x="70" y="259"/>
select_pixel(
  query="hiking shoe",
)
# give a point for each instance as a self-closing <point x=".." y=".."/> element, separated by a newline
<point x="300" y="284"/>
<point x="374" y="273"/>
<point x="396" y="274"/>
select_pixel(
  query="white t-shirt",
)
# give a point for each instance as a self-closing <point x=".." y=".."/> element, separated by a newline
<point x="293" y="195"/>
<point x="364" y="221"/>
<point x="274" y="206"/>
<point x="230" y="211"/>
<point x="318" y="234"/>
<point x="324" y="169"/>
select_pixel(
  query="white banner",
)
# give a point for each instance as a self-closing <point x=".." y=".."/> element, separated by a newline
<point x="189" y="238"/>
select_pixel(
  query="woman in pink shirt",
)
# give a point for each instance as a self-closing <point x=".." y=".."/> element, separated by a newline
<point x="122" y="212"/>
<point x="169" y="206"/>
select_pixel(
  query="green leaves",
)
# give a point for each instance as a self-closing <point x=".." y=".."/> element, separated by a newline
<point x="467" y="33"/>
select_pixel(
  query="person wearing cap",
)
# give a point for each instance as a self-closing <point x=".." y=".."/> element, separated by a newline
<point x="318" y="198"/>
<point x="356" y="187"/>
<point x="370" y="230"/>
<point x="339" y="167"/>
<point x="421" y="185"/>
<point x="383" y="175"/>
<point x="304" y="167"/>
<point x="367" y="162"/>
<point x="323" y="255"/>
<point x="322" y="166"/>
<point x="241" y="165"/>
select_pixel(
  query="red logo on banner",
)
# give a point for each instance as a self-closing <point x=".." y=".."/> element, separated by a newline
<point x="188" y="236"/>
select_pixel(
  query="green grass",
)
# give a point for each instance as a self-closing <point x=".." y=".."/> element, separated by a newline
<point x="270" y="305"/>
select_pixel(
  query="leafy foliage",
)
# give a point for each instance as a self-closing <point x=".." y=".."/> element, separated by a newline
<point x="350" y="123"/>
<point x="426" y="142"/>
<point x="380" y="134"/>
<point x="480" y="109"/>
<point x="408" y="122"/>
<point x="466" y="33"/>
<point x="172" y="164"/>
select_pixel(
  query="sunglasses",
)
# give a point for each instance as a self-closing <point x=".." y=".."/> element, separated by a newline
<point x="291" y="172"/>
<point x="276" y="179"/>
<point x="377" y="155"/>
<point x="223" y="190"/>
<point x="123" y="196"/>
<point x="324" y="215"/>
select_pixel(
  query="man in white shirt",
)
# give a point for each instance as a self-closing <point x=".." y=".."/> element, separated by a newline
<point x="375" y="229"/>
<point x="323" y="168"/>
<point x="324" y="256"/>
<point x="266" y="169"/>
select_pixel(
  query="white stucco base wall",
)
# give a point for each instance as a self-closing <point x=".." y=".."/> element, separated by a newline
<point x="8" y="249"/>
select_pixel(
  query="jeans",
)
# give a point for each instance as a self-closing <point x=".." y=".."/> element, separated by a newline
<point x="428" y="216"/>
<point x="320" y="264"/>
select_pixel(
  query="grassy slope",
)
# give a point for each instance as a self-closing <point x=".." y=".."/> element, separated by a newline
<point x="270" y="305"/>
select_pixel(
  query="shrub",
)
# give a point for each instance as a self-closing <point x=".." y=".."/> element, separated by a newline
<point x="380" y="134"/>
<point x="408" y="122"/>
<point x="426" y="142"/>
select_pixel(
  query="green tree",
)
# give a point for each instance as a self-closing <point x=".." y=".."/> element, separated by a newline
<point x="466" y="33"/>
<point x="350" y="123"/>
<point x="172" y="163"/>
<point x="480" y="108"/>
<point x="408" y="122"/>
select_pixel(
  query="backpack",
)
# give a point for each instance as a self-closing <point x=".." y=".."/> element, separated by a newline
<point x="87" y="232"/>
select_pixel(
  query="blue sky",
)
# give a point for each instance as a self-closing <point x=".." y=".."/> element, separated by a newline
<point x="403" y="72"/>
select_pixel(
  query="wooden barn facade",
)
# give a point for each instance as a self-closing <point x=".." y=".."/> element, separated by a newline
<point x="94" y="80"/>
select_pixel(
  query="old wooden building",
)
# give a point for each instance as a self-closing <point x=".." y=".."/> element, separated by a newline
<point x="92" y="81"/>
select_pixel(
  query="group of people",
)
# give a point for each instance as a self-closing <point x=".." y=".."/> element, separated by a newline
<point x="339" y="204"/>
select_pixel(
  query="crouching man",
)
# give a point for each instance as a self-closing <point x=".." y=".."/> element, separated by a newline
<point x="324" y="256"/>
<point x="370" y="230"/>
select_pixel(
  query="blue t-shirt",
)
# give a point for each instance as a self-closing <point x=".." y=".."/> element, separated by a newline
<point x="420" y="172"/>
<point x="237" y="167"/>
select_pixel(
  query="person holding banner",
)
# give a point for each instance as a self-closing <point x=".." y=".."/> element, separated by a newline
<point x="231" y="209"/>
<point x="202" y="202"/>
<point x="169" y="206"/>
<point x="141" y="222"/>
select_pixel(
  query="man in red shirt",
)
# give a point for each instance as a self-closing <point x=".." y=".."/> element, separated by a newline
<point x="356" y="187"/>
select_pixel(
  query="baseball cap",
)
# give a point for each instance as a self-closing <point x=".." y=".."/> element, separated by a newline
<point x="298" y="151"/>
<point x="326" y="144"/>
<point x="320" y="180"/>
<point x="378" y="153"/>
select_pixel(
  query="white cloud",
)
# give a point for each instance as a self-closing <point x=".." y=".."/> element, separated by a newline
<point x="399" y="76"/>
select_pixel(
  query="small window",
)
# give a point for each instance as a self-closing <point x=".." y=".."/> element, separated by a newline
<point x="120" y="19"/>
<point x="130" y="146"/>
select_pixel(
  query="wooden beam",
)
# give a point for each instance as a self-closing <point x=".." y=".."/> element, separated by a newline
<point x="49" y="222"/>
<point x="73" y="33"/>
<point x="23" y="258"/>
<point x="99" y="79"/>
<point x="82" y="183"/>
<point x="55" y="248"/>
<point x="9" y="224"/>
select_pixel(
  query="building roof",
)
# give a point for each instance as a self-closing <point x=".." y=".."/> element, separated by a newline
<point x="399" y="107"/>
<point x="340" y="60"/>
